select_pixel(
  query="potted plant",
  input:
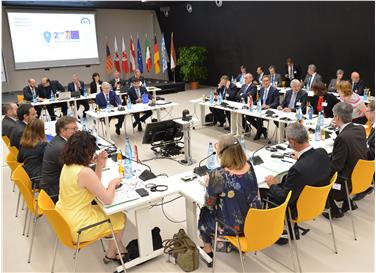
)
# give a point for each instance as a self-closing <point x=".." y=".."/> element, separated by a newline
<point x="192" y="64"/>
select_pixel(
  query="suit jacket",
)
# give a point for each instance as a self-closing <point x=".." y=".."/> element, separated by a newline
<point x="297" y="71"/>
<point x="93" y="87"/>
<point x="142" y="79"/>
<point x="133" y="95"/>
<point x="349" y="147"/>
<point x="300" y="97"/>
<point x="28" y="95"/>
<point x="71" y="87"/>
<point x="332" y="85"/>
<point x="316" y="79"/>
<point x="371" y="145"/>
<point x="16" y="134"/>
<point x="52" y="165"/>
<point x="277" y="78"/>
<point x="273" y="97"/>
<point x="32" y="159"/>
<point x="45" y="92"/>
<point x="228" y="93"/>
<point x="123" y="84"/>
<point x="258" y="79"/>
<point x="330" y="99"/>
<point x="246" y="91"/>
<point x="312" y="169"/>
<point x="358" y="87"/>
<point x="7" y="125"/>
<point x="101" y="101"/>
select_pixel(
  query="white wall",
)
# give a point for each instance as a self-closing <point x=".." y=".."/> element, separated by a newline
<point x="109" y="22"/>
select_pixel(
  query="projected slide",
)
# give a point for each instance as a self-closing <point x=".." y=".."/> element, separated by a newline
<point x="42" y="40"/>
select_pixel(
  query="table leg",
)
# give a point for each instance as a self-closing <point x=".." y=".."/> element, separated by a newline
<point x="158" y="114"/>
<point x="75" y="109"/>
<point x="202" y="114"/>
<point x="234" y="122"/>
<point x="281" y="127"/>
<point x="108" y="133"/>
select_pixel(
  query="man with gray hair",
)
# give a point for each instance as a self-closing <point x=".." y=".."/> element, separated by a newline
<point x="294" y="98"/>
<point x="312" y="77"/>
<point x="349" y="146"/>
<point x="79" y="86"/>
<point x="312" y="167"/>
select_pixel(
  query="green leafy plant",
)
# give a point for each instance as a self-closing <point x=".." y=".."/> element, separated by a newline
<point x="192" y="63"/>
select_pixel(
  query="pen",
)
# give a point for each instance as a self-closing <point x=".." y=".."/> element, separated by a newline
<point x="283" y="160"/>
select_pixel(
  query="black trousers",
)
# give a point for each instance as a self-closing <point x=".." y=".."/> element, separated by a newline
<point x="339" y="195"/>
<point x="146" y="115"/>
<point x="255" y="122"/>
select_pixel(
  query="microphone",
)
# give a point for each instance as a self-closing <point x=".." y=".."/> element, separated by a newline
<point x="146" y="174"/>
<point x="202" y="170"/>
<point x="256" y="160"/>
<point x="139" y="162"/>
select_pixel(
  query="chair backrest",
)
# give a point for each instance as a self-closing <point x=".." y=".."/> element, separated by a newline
<point x="20" y="98"/>
<point x="12" y="162"/>
<point x="368" y="127"/>
<point x="311" y="202"/>
<point x="56" y="220"/>
<point x="361" y="177"/>
<point x="23" y="182"/>
<point x="6" y="141"/>
<point x="263" y="227"/>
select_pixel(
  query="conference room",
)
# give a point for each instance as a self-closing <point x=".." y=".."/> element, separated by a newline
<point x="181" y="136"/>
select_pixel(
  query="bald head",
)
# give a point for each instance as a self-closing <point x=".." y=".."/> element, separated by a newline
<point x="31" y="82"/>
<point x="355" y="77"/>
<point x="248" y="78"/>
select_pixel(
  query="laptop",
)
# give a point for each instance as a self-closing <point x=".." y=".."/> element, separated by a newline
<point x="64" y="95"/>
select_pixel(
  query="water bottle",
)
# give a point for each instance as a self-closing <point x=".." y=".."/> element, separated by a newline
<point x="85" y="93"/>
<point x="211" y="159"/>
<point x="318" y="132"/>
<point x="108" y="107"/>
<point x="220" y="99"/>
<point x="129" y="104"/>
<point x="299" y="114"/>
<point x="310" y="112"/>
<point x="127" y="160"/>
<point x="52" y="96"/>
<point x="242" y="143"/>
<point x="84" y="124"/>
<point x="232" y="79"/>
<point x="211" y="98"/>
<point x="242" y="101"/>
<point x="69" y="112"/>
<point x="34" y="98"/>
<point x="321" y="118"/>
<point x="259" y="105"/>
<point x="365" y="95"/>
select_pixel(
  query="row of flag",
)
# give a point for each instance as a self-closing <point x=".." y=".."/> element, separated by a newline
<point x="121" y="64"/>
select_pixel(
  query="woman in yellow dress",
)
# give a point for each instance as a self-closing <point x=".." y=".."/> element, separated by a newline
<point x="80" y="185"/>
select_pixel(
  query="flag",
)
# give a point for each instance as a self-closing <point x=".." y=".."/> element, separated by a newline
<point x="172" y="53"/>
<point x="132" y="56"/>
<point x="164" y="53"/>
<point x="157" y="65"/>
<point x="139" y="56"/>
<point x="116" y="56"/>
<point x="124" y="58"/>
<point x="147" y="54"/>
<point x="109" y="63"/>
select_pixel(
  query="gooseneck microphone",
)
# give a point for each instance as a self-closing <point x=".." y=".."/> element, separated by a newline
<point x="202" y="170"/>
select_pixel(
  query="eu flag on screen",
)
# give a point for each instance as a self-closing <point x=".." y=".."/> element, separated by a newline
<point x="139" y="56"/>
<point x="75" y="34"/>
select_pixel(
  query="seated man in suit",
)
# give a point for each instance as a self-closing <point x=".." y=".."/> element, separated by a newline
<point x="248" y="91"/>
<point x="118" y="84"/>
<point x="65" y="127"/>
<point x="259" y="75"/>
<point x="49" y="87"/>
<point x="25" y="113"/>
<point x="312" y="77"/>
<point x="135" y="94"/>
<point x="137" y="75"/>
<point x="240" y="77"/>
<point x="78" y="86"/>
<point x="275" y="79"/>
<point x="349" y="146"/>
<point x="312" y="167"/>
<point x="109" y="98"/>
<point x="292" y="71"/>
<point x="357" y="84"/>
<point x="31" y="93"/>
<point x="10" y="118"/>
<point x="294" y="98"/>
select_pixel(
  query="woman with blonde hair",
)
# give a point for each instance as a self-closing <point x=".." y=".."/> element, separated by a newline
<point x="32" y="145"/>
<point x="231" y="190"/>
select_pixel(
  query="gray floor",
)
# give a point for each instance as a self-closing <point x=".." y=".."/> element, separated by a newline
<point x="315" y="248"/>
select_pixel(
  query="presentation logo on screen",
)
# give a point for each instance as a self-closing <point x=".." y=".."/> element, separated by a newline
<point x="61" y="36"/>
<point x="85" y="21"/>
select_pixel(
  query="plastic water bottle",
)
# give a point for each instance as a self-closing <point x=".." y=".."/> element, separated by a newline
<point x="211" y="159"/>
<point x="108" y="106"/>
<point x="259" y="105"/>
<point x="365" y="95"/>
<point x="242" y="101"/>
<point x="242" y="143"/>
<point x="310" y="112"/>
<point x="299" y="114"/>
<point x="129" y="104"/>
<point x="127" y="160"/>
<point x="84" y="124"/>
<point x="34" y="98"/>
<point x="232" y="79"/>
<point x="321" y="118"/>
<point x="220" y="99"/>
<point x="211" y="98"/>
<point x="52" y="96"/>
<point x="85" y="93"/>
<point x="318" y="132"/>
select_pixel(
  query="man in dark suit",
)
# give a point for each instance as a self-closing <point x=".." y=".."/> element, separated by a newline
<point x="51" y="167"/>
<point x="135" y="94"/>
<point x="292" y="71"/>
<point x="349" y="146"/>
<point x="275" y="78"/>
<point x="357" y="84"/>
<point x="48" y="87"/>
<point x="259" y="75"/>
<point x="137" y="75"/>
<point x="312" y="77"/>
<point x="78" y="86"/>
<point x="25" y="113"/>
<point x="10" y="119"/>
<point x="31" y="93"/>
<point x="118" y="84"/>
<point x="109" y="97"/>
<point x="241" y="76"/>
<point x="294" y="98"/>
<point x="246" y="92"/>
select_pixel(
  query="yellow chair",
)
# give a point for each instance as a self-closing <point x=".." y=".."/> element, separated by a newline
<point x="63" y="231"/>
<point x="12" y="162"/>
<point x="361" y="180"/>
<point x="262" y="228"/>
<point x="24" y="184"/>
<point x="6" y="141"/>
<point x="368" y="128"/>
<point x="310" y="204"/>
